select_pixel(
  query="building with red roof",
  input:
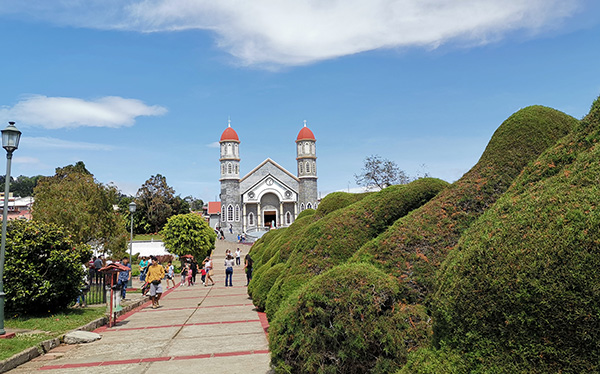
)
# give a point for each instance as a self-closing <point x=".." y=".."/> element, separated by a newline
<point x="268" y="196"/>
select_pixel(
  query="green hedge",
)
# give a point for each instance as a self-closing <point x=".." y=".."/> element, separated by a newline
<point x="337" y="200"/>
<point x="267" y="277"/>
<point x="522" y="288"/>
<point x="414" y="247"/>
<point x="43" y="268"/>
<point x="346" y="320"/>
<point x="334" y="238"/>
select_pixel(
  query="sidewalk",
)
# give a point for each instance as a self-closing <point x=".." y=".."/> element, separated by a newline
<point x="196" y="329"/>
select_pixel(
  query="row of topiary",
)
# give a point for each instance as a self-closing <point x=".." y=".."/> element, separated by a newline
<point x="364" y="318"/>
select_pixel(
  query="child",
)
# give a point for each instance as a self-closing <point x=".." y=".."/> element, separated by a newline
<point x="189" y="275"/>
<point x="203" y="276"/>
<point x="183" y="275"/>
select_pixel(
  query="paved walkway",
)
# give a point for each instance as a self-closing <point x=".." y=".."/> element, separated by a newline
<point x="197" y="329"/>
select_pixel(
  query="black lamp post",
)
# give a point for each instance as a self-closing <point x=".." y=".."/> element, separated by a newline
<point x="10" y="141"/>
<point x="132" y="207"/>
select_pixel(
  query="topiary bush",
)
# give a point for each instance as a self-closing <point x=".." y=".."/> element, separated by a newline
<point x="43" y="267"/>
<point x="413" y="248"/>
<point x="260" y="291"/>
<point x="337" y="200"/>
<point x="334" y="238"/>
<point x="346" y="320"/>
<point x="522" y="287"/>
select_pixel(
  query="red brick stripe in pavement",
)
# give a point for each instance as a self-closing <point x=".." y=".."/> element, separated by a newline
<point x="206" y="297"/>
<point x="117" y="328"/>
<point x="151" y="359"/>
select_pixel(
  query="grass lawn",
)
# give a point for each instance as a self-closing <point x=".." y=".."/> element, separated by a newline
<point x="52" y="325"/>
<point x="147" y="237"/>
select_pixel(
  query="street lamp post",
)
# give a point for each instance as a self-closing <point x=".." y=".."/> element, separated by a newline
<point x="132" y="207"/>
<point x="10" y="142"/>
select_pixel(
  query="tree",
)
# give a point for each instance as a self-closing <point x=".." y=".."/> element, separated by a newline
<point x="43" y="269"/>
<point x="73" y="199"/>
<point x="189" y="234"/>
<point x="156" y="203"/>
<point x="21" y="186"/>
<point x="380" y="173"/>
<point x="195" y="204"/>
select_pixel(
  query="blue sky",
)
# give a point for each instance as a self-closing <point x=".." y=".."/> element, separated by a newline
<point x="134" y="88"/>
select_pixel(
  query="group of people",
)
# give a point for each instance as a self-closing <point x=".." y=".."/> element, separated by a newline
<point x="152" y="274"/>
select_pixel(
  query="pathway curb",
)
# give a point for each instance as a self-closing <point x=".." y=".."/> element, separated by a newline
<point x="45" y="346"/>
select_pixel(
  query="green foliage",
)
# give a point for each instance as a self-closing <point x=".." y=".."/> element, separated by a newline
<point x="189" y="234"/>
<point x="156" y="202"/>
<point x="305" y="213"/>
<point x="21" y="186"/>
<point x="74" y="200"/>
<point x="43" y="269"/>
<point x="346" y="320"/>
<point x="334" y="238"/>
<point x="522" y="287"/>
<point x="414" y="247"/>
<point x="337" y="200"/>
<point x="268" y="276"/>
<point x="436" y="361"/>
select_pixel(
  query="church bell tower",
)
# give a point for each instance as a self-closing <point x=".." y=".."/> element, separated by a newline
<point x="306" y="158"/>
<point x="230" y="180"/>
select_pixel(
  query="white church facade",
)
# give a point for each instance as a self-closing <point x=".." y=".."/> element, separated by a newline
<point x="269" y="195"/>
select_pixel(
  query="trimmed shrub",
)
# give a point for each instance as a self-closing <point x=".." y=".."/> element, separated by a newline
<point x="334" y="238"/>
<point x="306" y="213"/>
<point x="337" y="200"/>
<point x="436" y="361"/>
<point x="414" y="247"/>
<point x="343" y="321"/>
<point x="43" y="268"/>
<point x="257" y="250"/>
<point x="522" y="287"/>
<point x="262" y="288"/>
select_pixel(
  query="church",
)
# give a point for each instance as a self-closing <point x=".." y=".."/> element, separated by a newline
<point x="269" y="195"/>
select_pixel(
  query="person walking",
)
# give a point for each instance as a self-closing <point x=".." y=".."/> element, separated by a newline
<point x="170" y="274"/>
<point x="143" y="268"/>
<point x="194" y="268"/>
<point x="248" y="266"/>
<point x="154" y="276"/>
<point x="228" y="270"/>
<point x="98" y="263"/>
<point x="124" y="277"/>
<point x="209" y="270"/>
<point x="238" y="256"/>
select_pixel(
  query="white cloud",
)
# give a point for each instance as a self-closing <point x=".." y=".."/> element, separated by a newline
<point x="70" y="112"/>
<point x="214" y="145"/>
<point x="26" y="160"/>
<point x="291" y="32"/>
<point x="53" y="143"/>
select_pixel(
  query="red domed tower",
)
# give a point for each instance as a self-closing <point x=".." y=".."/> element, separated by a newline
<point x="306" y="157"/>
<point x="230" y="179"/>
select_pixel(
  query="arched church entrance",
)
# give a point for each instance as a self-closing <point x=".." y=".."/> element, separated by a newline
<point x="269" y="204"/>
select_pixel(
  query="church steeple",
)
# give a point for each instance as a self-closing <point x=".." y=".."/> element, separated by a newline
<point x="306" y="157"/>
<point x="230" y="153"/>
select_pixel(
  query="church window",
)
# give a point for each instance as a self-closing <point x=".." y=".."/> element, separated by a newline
<point x="222" y="168"/>
<point x="223" y="213"/>
<point x="313" y="148"/>
<point x="251" y="219"/>
<point x="300" y="167"/>
<point x="230" y="213"/>
<point x="237" y="213"/>
<point x="236" y="150"/>
<point x="306" y="149"/>
<point x="301" y="207"/>
<point x="237" y="169"/>
<point x="229" y="168"/>
<point x="314" y="168"/>
<point x="228" y="148"/>
<point x="299" y="149"/>
<point x="307" y="167"/>
<point x="288" y="218"/>
<point x="308" y="206"/>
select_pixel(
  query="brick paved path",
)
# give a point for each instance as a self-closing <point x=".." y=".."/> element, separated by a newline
<point x="197" y="329"/>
